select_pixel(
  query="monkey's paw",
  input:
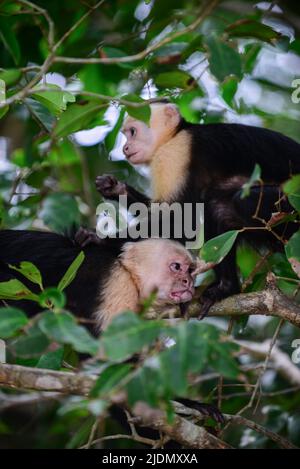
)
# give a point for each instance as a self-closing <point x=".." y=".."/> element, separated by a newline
<point x="208" y="410"/>
<point x="206" y="304"/>
<point x="109" y="186"/>
<point x="84" y="237"/>
<point x="215" y="293"/>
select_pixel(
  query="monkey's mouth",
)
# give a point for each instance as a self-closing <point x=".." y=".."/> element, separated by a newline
<point x="129" y="157"/>
<point x="181" y="296"/>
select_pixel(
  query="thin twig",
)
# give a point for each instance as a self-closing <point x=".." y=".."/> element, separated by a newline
<point x="47" y="17"/>
<point x="75" y="25"/>
<point x="139" y="439"/>
<point x="210" y="6"/>
<point x="281" y="441"/>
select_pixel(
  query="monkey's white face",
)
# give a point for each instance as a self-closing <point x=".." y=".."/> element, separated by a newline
<point x="175" y="284"/>
<point x="169" y="270"/>
<point x="143" y="141"/>
<point x="140" y="142"/>
<point x="165" y="267"/>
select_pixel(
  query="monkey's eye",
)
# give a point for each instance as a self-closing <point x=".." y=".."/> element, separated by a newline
<point x="175" y="267"/>
<point x="191" y="269"/>
<point x="132" y="131"/>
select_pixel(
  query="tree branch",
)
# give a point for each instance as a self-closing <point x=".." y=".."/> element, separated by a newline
<point x="21" y="377"/>
<point x="280" y="360"/>
<point x="52" y="58"/>
<point x="181" y="430"/>
<point x="47" y="17"/>
<point x="268" y="302"/>
<point x="210" y="6"/>
<point x="239" y="420"/>
<point x="187" y="433"/>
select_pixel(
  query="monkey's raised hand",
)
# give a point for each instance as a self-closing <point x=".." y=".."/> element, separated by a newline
<point x="109" y="186"/>
<point x="84" y="237"/>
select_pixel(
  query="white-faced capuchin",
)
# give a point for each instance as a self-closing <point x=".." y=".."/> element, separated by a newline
<point x="110" y="280"/>
<point x="209" y="163"/>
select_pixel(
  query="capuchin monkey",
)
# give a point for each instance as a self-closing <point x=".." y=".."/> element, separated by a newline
<point x="110" y="280"/>
<point x="210" y="163"/>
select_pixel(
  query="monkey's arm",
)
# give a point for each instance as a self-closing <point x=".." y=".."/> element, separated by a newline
<point x="110" y="188"/>
<point x="263" y="204"/>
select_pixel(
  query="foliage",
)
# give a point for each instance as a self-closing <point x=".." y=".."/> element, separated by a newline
<point x="75" y="66"/>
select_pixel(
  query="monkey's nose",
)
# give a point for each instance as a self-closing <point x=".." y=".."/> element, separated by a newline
<point x="186" y="282"/>
<point x="126" y="149"/>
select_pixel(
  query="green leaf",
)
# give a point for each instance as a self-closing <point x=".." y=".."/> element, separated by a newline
<point x="292" y="250"/>
<point x="174" y="362"/>
<point x="71" y="272"/>
<point x="217" y="248"/>
<point x="110" y="139"/>
<point x="41" y="114"/>
<point x="81" y="434"/>
<point x="10" y="76"/>
<point x="11" y="320"/>
<point x="250" y="57"/>
<point x="62" y="328"/>
<point x="131" y="333"/>
<point x="148" y="385"/>
<point x="292" y="189"/>
<point x="55" y="100"/>
<point x="51" y="360"/>
<point x="193" y="46"/>
<point x="16" y="290"/>
<point x="198" y="336"/>
<point x="142" y="113"/>
<point x="228" y="90"/>
<point x="9" y="7"/>
<point x="223" y="361"/>
<point x="60" y="212"/>
<point x="63" y="153"/>
<point x="176" y="79"/>
<point x="253" y="29"/>
<point x="78" y="117"/>
<point x="110" y="378"/>
<point x="52" y="297"/>
<point x="204" y="342"/>
<point x="223" y="59"/>
<point x="9" y="39"/>
<point x="166" y="375"/>
<point x="33" y="344"/>
<point x="30" y="271"/>
<point x="254" y="178"/>
<point x="4" y="109"/>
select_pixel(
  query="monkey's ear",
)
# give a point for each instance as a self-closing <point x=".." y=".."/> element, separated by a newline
<point x="202" y="266"/>
<point x="171" y="111"/>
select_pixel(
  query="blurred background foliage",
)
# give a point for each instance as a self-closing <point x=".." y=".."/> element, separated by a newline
<point x="61" y="107"/>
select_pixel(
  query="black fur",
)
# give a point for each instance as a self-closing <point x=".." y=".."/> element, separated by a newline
<point x="53" y="254"/>
<point x="221" y="152"/>
<point x="224" y="151"/>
